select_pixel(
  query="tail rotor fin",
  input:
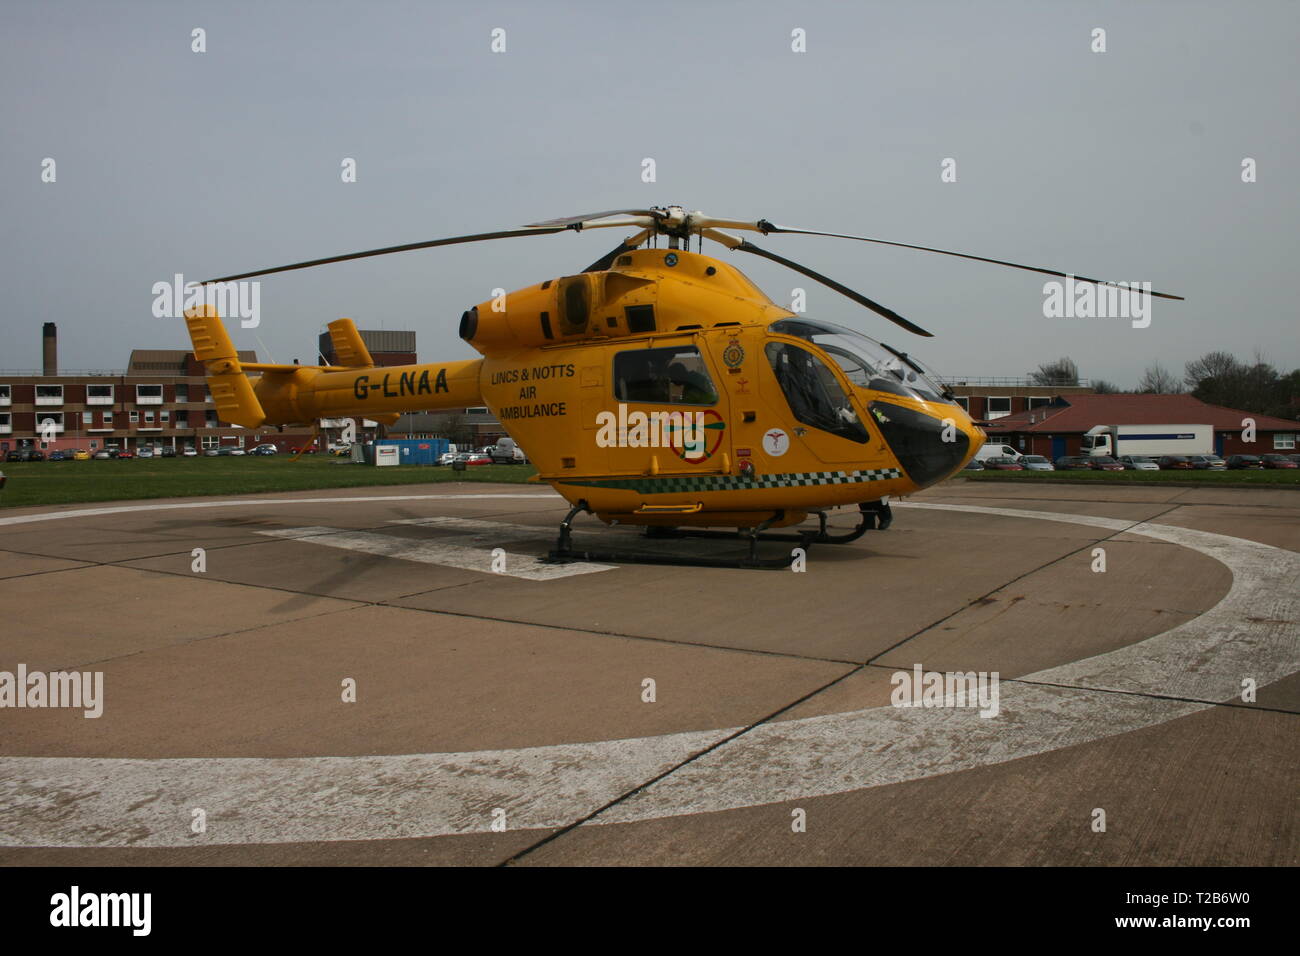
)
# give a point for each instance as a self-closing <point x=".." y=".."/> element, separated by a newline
<point x="349" y="350"/>
<point x="232" y="392"/>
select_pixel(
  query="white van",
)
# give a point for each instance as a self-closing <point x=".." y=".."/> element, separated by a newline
<point x="995" y="449"/>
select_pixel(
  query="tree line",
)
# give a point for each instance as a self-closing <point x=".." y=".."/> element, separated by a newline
<point x="1218" y="378"/>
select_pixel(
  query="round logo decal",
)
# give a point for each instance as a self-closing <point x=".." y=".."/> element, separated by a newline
<point x="687" y="441"/>
<point x="733" y="355"/>
<point x="776" y="442"/>
<point x="670" y="259"/>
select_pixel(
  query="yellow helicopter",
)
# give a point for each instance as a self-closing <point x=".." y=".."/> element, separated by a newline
<point x="658" y="387"/>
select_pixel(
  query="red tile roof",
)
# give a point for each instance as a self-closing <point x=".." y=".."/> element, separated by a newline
<point x="1078" y="413"/>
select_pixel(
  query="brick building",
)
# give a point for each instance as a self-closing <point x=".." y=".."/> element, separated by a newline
<point x="386" y="347"/>
<point x="1056" y="429"/>
<point x="161" y="399"/>
<point x="989" y="399"/>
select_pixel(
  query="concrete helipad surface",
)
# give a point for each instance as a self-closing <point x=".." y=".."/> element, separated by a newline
<point x="507" y="710"/>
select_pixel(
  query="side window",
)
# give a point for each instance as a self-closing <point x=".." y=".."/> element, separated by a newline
<point x="671" y="376"/>
<point x="814" y="395"/>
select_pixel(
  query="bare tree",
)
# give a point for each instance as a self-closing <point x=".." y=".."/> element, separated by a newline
<point x="1212" y="365"/>
<point x="1061" y="372"/>
<point x="1103" y="387"/>
<point x="1158" y="380"/>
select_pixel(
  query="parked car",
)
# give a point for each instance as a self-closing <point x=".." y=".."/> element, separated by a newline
<point x="168" y="451"/>
<point x="144" y="453"/>
<point x="58" y="455"/>
<point x="1217" y="463"/>
<point x="15" y="454"/>
<point x="474" y="458"/>
<point x="1295" y="458"/>
<point x="1036" y="463"/>
<point x="446" y="458"/>
<point x="103" y="454"/>
<point x="1206" y="462"/>
<point x="1106" y="463"/>
<point x="1176" y="463"/>
<point x="974" y="465"/>
<point x="238" y="452"/>
<point x="125" y="453"/>
<point x="266" y="448"/>
<point x="1244" y="461"/>
<point x="1138" y="463"/>
<point x="309" y="450"/>
<point x="211" y="452"/>
<point x="1277" y="461"/>
<point x="340" y="450"/>
<point x="1002" y="463"/>
<point x="189" y="452"/>
<point x="1073" y="463"/>
<point x="80" y="454"/>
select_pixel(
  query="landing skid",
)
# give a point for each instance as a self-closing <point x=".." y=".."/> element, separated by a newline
<point x="875" y="515"/>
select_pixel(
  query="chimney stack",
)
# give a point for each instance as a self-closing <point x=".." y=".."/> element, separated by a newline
<point x="49" y="350"/>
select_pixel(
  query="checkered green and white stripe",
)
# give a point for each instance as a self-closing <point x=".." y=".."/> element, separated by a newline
<point x="677" y="484"/>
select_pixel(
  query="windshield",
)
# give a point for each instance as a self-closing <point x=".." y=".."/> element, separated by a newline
<point x="865" y="362"/>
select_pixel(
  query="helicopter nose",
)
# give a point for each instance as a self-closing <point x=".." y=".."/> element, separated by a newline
<point x="928" y="447"/>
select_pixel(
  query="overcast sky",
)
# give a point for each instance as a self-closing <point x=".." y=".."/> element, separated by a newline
<point x="1124" y="164"/>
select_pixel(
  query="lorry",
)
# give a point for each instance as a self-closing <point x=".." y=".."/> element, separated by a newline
<point x="1150" y="440"/>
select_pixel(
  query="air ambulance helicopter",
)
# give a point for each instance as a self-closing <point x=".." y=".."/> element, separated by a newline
<point x="658" y="387"/>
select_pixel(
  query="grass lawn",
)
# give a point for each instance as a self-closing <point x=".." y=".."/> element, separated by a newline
<point x="1268" y="478"/>
<point x="66" y="482"/>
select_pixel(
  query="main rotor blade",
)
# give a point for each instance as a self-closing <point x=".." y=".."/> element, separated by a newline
<point x="766" y="228"/>
<point x="454" y="240"/>
<point x="571" y="220"/>
<point x="888" y="313"/>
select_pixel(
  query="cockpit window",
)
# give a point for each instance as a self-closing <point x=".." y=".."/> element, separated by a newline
<point x="671" y="376"/>
<point x="814" y="395"/>
<point x="867" y="363"/>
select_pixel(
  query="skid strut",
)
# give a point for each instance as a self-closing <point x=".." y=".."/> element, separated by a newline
<point x="872" y="515"/>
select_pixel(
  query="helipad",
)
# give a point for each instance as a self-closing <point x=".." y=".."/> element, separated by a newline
<point x="515" y="711"/>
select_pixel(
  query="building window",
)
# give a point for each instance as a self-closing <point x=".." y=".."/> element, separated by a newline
<point x="962" y="402"/>
<point x="148" y="417"/>
<point x="997" y="407"/>
<point x="1283" y="440"/>
<point x="209" y="441"/>
<point x="148" y="394"/>
<point x="49" y="394"/>
<point x="165" y="415"/>
<point x="182" y="394"/>
<point x="6" y="424"/>
<point x="6" y="395"/>
<point x="87" y="418"/>
<point x="99" y="394"/>
<point x="134" y="416"/>
<point x="108" y="418"/>
<point x="49" y="423"/>
<point x="1038" y="401"/>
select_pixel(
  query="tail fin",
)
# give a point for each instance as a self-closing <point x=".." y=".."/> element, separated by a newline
<point x="232" y="392"/>
<point x="349" y="350"/>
